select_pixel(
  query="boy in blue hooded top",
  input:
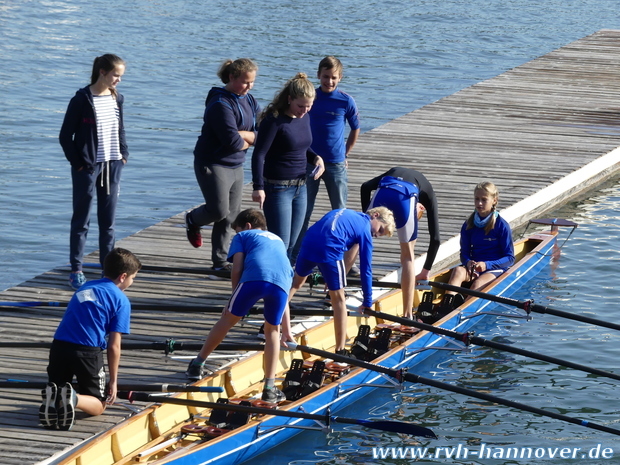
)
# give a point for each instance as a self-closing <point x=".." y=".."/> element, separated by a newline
<point x="325" y="244"/>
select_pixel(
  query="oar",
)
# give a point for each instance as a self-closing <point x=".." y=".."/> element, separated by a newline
<point x="317" y="278"/>
<point x="384" y="425"/>
<point x="469" y="338"/>
<point x="33" y="304"/>
<point x="121" y="387"/>
<point x="174" y="269"/>
<point x="403" y="375"/>
<point x="168" y="346"/>
<point x="527" y="305"/>
<point x="177" y="308"/>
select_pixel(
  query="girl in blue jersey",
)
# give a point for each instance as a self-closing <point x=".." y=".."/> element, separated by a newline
<point x="486" y="241"/>
<point x="92" y="137"/>
<point x="325" y="245"/>
<point x="261" y="270"/>
<point x="280" y="157"/>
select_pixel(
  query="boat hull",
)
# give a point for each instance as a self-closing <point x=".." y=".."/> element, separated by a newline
<point x="257" y="437"/>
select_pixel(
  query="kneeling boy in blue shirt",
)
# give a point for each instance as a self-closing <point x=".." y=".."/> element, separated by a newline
<point x="98" y="309"/>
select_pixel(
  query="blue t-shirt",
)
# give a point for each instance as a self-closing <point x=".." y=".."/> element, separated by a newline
<point x="327" y="120"/>
<point x="97" y="309"/>
<point x="329" y="238"/>
<point x="265" y="258"/>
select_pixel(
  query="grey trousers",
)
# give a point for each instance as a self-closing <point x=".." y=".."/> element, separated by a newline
<point x="222" y="189"/>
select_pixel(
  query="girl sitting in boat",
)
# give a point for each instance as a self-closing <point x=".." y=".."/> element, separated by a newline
<point x="486" y="241"/>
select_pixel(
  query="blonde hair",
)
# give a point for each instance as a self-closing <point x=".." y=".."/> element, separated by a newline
<point x="386" y="217"/>
<point x="235" y="68"/>
<point x="298" y="87"/>
<point x="491" y="190"/>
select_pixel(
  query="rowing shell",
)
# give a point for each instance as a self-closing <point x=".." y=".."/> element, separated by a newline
<point x="174" y="434"/>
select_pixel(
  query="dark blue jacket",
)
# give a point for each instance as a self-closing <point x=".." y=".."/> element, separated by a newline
<point x="78" y="134"/>
<point x="225" y="115"/>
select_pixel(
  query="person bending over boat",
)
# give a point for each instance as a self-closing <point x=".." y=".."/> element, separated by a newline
<point x="407" y="193"/>
<point x="98" y="309"/>
<point x="261" y="270"/>
<point x="487" y="250"/>
<point x="228" y="130"/>
<point x="324" y="246"/>
<point x="92" y="137"/>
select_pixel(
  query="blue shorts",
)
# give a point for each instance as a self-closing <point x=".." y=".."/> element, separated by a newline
<point x="334" y="273"/>
<point x="405" y="211"/>
<point x="247" y="294"/>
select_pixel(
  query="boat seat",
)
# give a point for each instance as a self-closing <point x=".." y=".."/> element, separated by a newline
<point x="293" y="379"/>
<point x="361" y="342"/>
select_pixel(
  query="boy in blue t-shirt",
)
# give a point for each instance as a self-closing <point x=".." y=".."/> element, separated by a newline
<point x="98" y="309"/>
<point x="331" y="111"/>
<point x="261" y="270"/>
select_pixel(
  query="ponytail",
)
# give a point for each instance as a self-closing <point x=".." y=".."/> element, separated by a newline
<point x="107" y="63"/>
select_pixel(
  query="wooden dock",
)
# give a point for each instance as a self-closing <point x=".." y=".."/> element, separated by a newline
<point x="544" y="132"/>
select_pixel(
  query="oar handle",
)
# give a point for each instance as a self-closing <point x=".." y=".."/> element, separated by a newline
<point x="394" y="426"/>
<point x="121" y="387"/>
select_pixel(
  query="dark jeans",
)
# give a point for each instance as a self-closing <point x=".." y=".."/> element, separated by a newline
<point x="222" y="189"/>
<point x="107" y="188"/>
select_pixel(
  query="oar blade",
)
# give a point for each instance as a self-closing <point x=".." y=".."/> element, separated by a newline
<point x="392" y="426"/>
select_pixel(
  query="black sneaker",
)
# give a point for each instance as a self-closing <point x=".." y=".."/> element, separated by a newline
<point x="195" y="371"/>
<point x="67" y="401"/>
<point x="221" y="272"/>
<point x="193" y="232"/>
<point x="47" y="412"/>
<point x="273" y="395"/>
<point x="344" y="352"/>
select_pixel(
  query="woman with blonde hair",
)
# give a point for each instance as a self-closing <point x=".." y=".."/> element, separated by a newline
<point x="280" y="157"/>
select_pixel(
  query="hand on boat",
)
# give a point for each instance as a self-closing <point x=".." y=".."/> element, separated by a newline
<point x="423" y="275"/>
<point x="286" y="337"/>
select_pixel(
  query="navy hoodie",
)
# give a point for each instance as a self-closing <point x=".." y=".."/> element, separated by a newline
<point x="225" y="114"/>
<point x="78" y="134"/>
